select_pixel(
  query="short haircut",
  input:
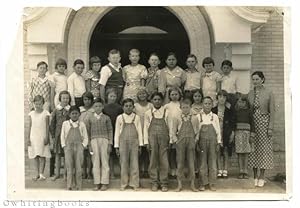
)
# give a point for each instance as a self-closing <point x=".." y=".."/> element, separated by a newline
<point x="88" y="95"/>
<point x="186" y="101"/>
<point x="74" y="108"/>
<point x="175" y="89"/>
<point x="110" y="90"/>
<point x="208" y="60"/>
<point x="140" y="91"/>
<point x="260" y="74"/>
<point x="60" y="62"/>
<point x="114" y="51"/>
<point x="192" y="56"/>
<point x="78" y="61"/>
<point x="94" y="59"/>
<point x="39" y="98"/>
<point x="209" y="98"/>
<point x="227" y="63"/>
<point x="197" y="91"/>
<point x="242" y="97"/>
<point x="64" y="92"/>
<point x="98" y="100"/>
<point x="127" y="100"/>
<point x="157" y="94"/>
<point x="41" y="63"/>
<point x="171" y="54"/>
<point x="222" y="93"/>
<point x="134" y="50"/>
<point x="154" y="54"/>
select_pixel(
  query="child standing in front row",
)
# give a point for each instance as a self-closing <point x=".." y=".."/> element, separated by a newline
<point x="101" y="136"/>
<point x="174" y="110"/>
<point x="140" y="108"/>
<point x="74" y="139"/>
<point x="226" y="120"/>
<point x="244" y="134"/>
<point x="185" y="129"/>
<point x="76" y="83"/>
<point x="59" y="115"/>
<point x="38" y="137"/>
<point x="85" y="112"/>
<point x="211" y="80"/>
<point x="157" y="141"/>
<point x="113" y="109"/>
<point x="208" y="145"/>
<point x="128" y="143"/>
<point x="229" y="82"/>
<point x="134" y="75"/>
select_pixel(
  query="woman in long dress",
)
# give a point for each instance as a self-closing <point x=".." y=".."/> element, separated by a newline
<point x="262" y="103"/>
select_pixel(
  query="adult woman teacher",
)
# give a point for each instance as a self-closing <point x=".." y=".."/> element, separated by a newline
<point x="262" y="105"/>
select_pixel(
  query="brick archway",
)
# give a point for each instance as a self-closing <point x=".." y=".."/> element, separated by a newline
<point x="87" y="18"/>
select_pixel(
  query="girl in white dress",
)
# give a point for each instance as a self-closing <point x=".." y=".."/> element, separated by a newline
<point x="38" y="137"/>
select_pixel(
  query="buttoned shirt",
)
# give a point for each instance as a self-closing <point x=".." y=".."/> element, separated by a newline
<point x="210" y="118"/>
<point x="106" y="73"/>
<point x="158" y="113"/>
<point x="76" y="86"/>
<point x="128" y="119"/>
<point x="176" y="125"/>
<point x="171" y="78"/>
<point x="229" y="83"/>
<point x="66" y="128"/>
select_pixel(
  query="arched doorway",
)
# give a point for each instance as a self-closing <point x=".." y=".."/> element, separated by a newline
<point x="149" y="29"/>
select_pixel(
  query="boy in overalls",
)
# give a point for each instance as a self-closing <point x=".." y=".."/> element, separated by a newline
<point x="208" y="145"/>
<point x="128" y="143"/>
<point x="157" y="141"/>
<point x="74" y="139"/>
<point x="185" y="129"/>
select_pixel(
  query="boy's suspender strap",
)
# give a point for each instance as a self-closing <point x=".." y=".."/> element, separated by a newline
<point x="164" y="114"/>
<point x="133" y="118"/>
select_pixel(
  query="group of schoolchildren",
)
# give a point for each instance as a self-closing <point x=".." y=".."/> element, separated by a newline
<point x="153" y="122"/>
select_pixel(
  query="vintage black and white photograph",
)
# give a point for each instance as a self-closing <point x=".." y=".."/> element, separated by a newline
<point x="155" y="102"/>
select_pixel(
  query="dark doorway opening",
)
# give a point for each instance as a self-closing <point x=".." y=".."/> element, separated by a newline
<point x="149" y="29"/>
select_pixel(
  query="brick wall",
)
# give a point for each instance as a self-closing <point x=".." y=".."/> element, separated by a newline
<point x="268" y="56"/>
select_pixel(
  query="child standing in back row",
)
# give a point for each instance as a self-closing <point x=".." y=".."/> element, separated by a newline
<point x="193" y="76"/>
<point x="211" y="80"/>
<point x="41" y="85"/>
<point x="134" y="75"/>
<point x="229" y="82"/>
<point x="153" y="74"/>
<point x="74" y="139"/>
<point x="59" y="79"/>
<point x="128" y="143"/>
<point x="76" y="83"/>
<point x="92" y="76"/>
<point x="38" y="137"/>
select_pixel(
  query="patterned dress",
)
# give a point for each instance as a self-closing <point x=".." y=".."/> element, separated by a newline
<point x="133" y="76"/>
<point x="39" y="86"/>
<point x="94" y="78"/>
<point x="262" y="156"/>
<point x="242" y="131"/>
